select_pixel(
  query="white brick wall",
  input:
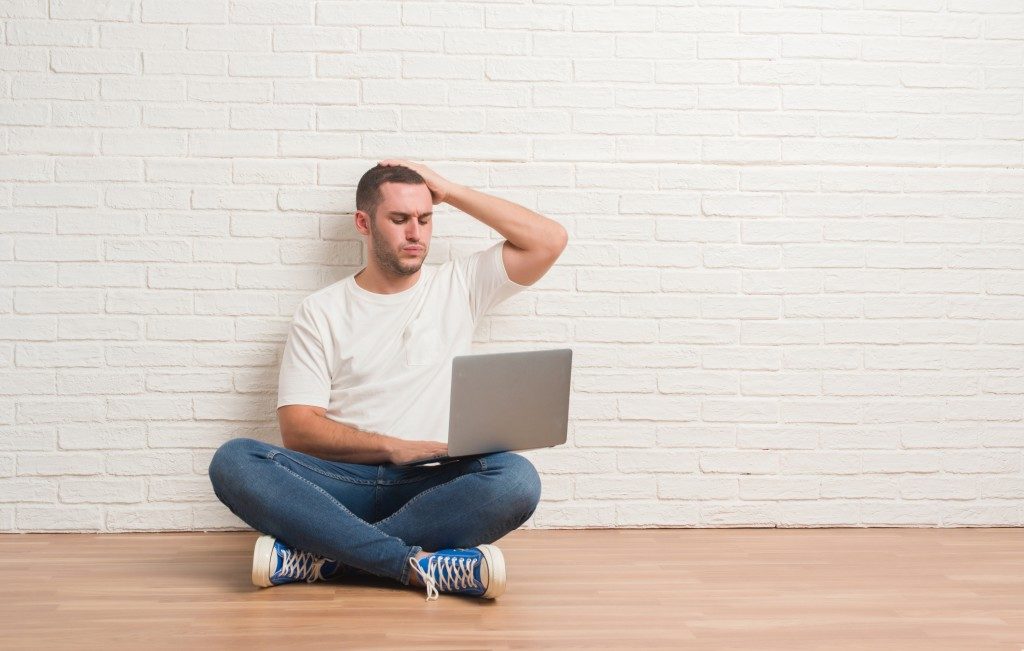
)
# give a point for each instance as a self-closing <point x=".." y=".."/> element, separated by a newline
<point x="795" y="283"/>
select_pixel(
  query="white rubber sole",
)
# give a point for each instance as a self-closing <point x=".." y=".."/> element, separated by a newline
<point x="495" y="569"/>
<point x="261" y="557"/>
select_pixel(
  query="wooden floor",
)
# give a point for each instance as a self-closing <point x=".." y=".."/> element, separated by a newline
<point x="920" y="589"/>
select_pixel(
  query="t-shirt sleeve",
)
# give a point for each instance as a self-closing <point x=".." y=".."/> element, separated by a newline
<point x="487" y="280"/>
<point x="304" y="378"/>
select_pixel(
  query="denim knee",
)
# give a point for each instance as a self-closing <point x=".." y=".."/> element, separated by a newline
<point x="229" y="462"/>
<point x="522" y="488"/>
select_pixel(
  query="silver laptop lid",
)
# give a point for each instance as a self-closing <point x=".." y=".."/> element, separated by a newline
<point x="509" y="401"/>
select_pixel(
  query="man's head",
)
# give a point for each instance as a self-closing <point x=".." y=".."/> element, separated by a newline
<point x="394" y="210"/>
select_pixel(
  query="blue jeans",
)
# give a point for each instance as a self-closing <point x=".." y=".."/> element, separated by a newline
<point x="373" y="517"/>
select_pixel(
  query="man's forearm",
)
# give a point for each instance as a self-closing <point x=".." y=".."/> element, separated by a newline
<point x="519" y="225"/>
<point x="327" y="439"/>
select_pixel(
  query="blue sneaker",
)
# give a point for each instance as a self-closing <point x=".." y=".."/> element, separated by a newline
<point x="478" y="571"/>
<point x="274" y="563"/>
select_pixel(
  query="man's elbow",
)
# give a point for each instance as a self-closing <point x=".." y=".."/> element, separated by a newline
<point x="555" y="242"/>
<point x="291" y="440"/>
<point x="295" y="424"/>
<point x="291" y="437"/>
<point x="559" y="241"/>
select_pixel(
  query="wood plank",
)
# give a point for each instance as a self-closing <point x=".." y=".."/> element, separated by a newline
<point x="617" y="589"/>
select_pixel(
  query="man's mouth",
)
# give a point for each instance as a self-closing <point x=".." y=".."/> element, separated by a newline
<point x="413" y="249"/>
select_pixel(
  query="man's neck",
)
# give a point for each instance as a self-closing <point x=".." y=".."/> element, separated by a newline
<point x="373" y="279"/>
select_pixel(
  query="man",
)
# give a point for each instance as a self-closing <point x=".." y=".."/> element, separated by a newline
<point x="364" y="386"/>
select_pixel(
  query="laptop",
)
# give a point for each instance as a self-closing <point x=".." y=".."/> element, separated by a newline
<point x="502" y="402"/>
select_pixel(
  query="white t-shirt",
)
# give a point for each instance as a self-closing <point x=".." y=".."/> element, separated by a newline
<point x="383" y="362"/>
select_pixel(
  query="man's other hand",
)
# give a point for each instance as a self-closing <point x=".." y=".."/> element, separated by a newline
<point x="408" y="451"/>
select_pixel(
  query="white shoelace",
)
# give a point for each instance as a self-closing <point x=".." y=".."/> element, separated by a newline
<point x="299" y="564"/>
<point x="459" y="574"/>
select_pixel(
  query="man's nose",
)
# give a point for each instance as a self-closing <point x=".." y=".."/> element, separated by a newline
<point x="412" y="232"/>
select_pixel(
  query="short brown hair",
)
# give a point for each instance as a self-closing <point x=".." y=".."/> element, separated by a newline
<point x="368" y="195"/>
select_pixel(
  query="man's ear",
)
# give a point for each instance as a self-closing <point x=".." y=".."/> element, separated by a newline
<point x="362" y="219"/>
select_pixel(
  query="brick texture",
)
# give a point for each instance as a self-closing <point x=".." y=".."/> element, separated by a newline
<point x="794" y="284"/>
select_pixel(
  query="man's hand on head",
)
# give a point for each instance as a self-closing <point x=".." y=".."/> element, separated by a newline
<point x="440" y="187"/>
